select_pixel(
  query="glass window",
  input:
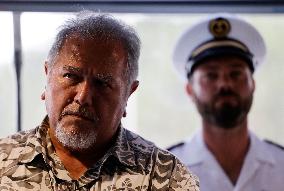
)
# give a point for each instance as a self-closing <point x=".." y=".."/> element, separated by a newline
<point x="160" y="110"/>
<point x="38" y="32"/>
<point x="8" y="98"/>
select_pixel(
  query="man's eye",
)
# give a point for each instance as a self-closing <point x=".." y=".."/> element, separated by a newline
<point x="102" y="83"/>
<point x="69" y="75"/>
<point x="235" y="74"/>
<point x="212" y="75"/>
<point x="72" y="77"/>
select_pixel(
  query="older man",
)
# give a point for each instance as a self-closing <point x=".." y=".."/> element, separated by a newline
<point x="217" y="57"/>
<point x="81" y="145"/>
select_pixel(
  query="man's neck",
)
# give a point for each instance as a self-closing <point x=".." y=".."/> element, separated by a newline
<point x="229" y="146"/>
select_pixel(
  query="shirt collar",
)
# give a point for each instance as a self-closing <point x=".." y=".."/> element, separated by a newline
<point x="258" y="150"/>
<point x="128" y="146"/>
<point x="197" y="151"/>
<point x="36" y="143"/>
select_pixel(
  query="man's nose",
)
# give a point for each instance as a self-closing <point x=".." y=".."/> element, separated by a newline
<point x="84" y="94"/>
<point x="225" y="81"/>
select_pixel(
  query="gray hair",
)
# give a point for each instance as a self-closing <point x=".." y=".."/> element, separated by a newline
<point x="103" y="27"/>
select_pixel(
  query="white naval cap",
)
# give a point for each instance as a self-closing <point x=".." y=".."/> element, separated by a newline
<point x="218" y="35"/>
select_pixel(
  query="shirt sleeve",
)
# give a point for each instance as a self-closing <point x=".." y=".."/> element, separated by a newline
<point x="183" y="179"/>
<point x="169" y="174"/>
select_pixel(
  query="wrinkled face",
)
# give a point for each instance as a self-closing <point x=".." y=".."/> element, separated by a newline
<point x="86" y="93"/>
<point x="222" y="89"/>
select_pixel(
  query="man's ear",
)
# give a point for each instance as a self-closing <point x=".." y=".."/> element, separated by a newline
<point x="133" y="87"/>
<point x="189" y="89"/>
<point x="46" y="67"/>
<point x="42" y="96"/>
<point x="253" y="83"/>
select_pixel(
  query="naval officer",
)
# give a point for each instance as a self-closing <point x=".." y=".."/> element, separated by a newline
<point x="217" y="57"/>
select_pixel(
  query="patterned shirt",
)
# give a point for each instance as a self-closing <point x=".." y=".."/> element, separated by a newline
<point x="28" y="162"/>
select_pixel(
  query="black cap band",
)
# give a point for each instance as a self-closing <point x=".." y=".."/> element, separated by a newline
<point x="221" y="51"/>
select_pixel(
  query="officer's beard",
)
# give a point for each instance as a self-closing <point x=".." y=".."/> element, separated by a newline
<point x="226" y="115"/>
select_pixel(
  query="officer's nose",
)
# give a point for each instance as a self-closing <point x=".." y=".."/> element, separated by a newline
<point x="84" y="94"/>
<point x="225" y="81"/>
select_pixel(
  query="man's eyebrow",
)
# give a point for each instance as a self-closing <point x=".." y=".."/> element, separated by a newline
<point x="72" y="69"/>
<point x="237" y="65"/>
<point x="104" y="77"/>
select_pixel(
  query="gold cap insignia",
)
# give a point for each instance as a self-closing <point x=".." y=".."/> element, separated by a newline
<point x="219" y="27"/>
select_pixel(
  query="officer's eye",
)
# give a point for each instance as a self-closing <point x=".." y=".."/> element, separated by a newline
<point x="236" y="74"/>
<point x="211" y="75"/>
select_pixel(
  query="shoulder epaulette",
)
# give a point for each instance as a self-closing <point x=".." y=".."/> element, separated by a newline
<point x="275" y="144"/>
<point x="175" y="146"/>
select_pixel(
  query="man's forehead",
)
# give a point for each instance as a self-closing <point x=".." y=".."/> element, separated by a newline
<point x="82" y="41"/>
<point x="85" y="48"/>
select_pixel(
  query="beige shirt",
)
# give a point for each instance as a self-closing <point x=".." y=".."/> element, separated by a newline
<point x="28" y="162"/>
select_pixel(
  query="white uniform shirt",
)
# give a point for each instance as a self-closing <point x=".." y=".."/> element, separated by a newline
<point x="263" y="168"/>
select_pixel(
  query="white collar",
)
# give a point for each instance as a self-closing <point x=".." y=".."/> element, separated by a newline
<point x="197" y="152"/>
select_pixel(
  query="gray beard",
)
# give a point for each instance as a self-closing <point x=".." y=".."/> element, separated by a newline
<point x="76" y="140"/>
